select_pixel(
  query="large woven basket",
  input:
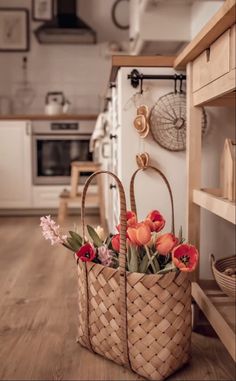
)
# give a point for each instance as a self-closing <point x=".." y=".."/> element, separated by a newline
<point x="140" y="321"/>
<point x="226" y="283"/>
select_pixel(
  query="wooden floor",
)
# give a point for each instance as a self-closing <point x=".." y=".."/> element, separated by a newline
<point x="38" y="316"/>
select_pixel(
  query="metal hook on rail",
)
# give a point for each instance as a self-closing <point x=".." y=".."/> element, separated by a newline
<point x="141" y="84"/>
<point x="181" y="83"/>
<point x="175" y="85"/>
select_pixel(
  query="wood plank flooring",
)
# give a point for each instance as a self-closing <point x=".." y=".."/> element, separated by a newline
<point x="38" y="316"/>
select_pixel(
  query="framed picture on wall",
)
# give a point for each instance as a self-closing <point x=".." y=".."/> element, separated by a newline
<point x="14" y="30"/>
<point x="42" y="10"/>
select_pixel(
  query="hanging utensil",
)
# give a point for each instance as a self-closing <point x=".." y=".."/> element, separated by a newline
<point x="168" y="120"/>
<point x="141" y="123"/>
<point x="25" y="93"/>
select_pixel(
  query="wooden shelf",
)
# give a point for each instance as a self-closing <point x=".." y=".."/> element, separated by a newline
<point x="139" y="61"/>
<point x="210" y="199"/>
<point x="219" y="309"/>
<point x="219" y="23"/>
<point x="219" y="92"/>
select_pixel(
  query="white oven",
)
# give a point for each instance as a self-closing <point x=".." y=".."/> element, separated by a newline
<point x="55" y="144"/>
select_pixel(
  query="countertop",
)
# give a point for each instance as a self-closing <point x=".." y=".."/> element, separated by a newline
<point x="139" y="61"/>
<point x="49" y="117"/>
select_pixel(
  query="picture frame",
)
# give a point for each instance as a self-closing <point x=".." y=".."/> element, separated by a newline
<point x="42" y="10"/>
<point x="14" y="30"/>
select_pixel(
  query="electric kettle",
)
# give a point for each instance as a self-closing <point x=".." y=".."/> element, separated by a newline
<point x="55" y="103"/>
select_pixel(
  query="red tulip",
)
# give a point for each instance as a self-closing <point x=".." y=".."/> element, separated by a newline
<point x="140" y="234"/>
<point x="155" y="221"/>
<point x="185" y="257"/>
<point x="86" y="253"/>
<point x="165" y="243"/>
<point x="115" y="242"/>
<point x="130" y="215"/>
<point x="131" y="219"/>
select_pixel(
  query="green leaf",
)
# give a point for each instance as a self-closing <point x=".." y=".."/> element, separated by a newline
<point x="133" y="259"/>
<point x="169" y="267"/>
<point x="144" y="264"/>
<point x="95" y="238"/>
<point x="76" y="238"/>
<point x="68" y="247"/>
<point x="108" y="242"/>
<point x="74" y="245"/>
<point x="180" y="236"/>
<point x="156" y="264"/>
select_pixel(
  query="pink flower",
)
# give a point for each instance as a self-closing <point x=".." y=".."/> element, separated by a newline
<point x="105" y="255"/>
<point x="86" y="253"/>
<point x="51" y="231"/>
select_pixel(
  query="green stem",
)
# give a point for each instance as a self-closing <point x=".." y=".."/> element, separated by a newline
<point x="150" y="259"/>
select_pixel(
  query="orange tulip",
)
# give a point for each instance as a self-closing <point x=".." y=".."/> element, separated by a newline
<point x="140" y="234"/>
<point x="165" y="243"/>
<point x="155" y="221"/>
<point x="131" y="219"/>
<point x="185" y="257"/>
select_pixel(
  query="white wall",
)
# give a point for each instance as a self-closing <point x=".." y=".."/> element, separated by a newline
<point x="82" y="72"/>
<point x="151" y="191"/>
<point x="216" y="234"/>
<point x="201" y="12"/>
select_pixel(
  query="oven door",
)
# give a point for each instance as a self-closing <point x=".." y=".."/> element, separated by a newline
<point x="53" y="154"/>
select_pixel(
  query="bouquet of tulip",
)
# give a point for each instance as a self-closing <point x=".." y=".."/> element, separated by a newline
<point x="148" y="251"/>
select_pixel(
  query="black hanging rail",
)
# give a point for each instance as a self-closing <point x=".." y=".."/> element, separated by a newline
<point x="137" y="78"/>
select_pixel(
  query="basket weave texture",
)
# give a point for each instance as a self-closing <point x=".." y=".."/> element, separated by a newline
<point x="141" y="321"/>
<point x="225" y="282"/>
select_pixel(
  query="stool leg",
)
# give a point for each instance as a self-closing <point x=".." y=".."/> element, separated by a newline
<point x="74" y="181"/>
<point x="62" y="212"/>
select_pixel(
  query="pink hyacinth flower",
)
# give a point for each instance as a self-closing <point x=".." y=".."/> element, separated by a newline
<point x="105" y="255"/>
<point x="51" y="231"/>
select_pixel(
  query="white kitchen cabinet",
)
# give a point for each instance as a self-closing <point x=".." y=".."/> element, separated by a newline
<point x="15" y="164"/>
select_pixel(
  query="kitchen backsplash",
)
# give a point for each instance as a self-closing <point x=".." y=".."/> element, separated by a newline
<point x="81" y="72"/>
<point x="68" y="69"/>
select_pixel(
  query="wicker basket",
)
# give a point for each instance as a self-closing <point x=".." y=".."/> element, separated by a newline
<point x="226" y="283"/>
<point x="140" y="321"/>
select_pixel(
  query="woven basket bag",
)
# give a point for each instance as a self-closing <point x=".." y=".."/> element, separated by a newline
<point x="141" y="321"/>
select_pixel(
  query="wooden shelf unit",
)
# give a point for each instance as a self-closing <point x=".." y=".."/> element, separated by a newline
<point x="219" y="310"/>
<point x="211" y="200"/>
<point x="211" y="82"/>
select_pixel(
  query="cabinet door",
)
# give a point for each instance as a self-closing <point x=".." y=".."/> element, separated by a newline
<point x="15" y="164"/>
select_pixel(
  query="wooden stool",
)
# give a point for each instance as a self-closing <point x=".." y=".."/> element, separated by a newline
<point x="66" y="197"/>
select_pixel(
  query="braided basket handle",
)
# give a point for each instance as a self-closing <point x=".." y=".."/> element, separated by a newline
<point x="132" y="197"/>
<point x="122" y="264"/>
<point x="123" y="222"/>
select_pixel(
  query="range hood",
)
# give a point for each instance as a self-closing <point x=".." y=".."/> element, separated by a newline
<point x="66" y="27"/>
